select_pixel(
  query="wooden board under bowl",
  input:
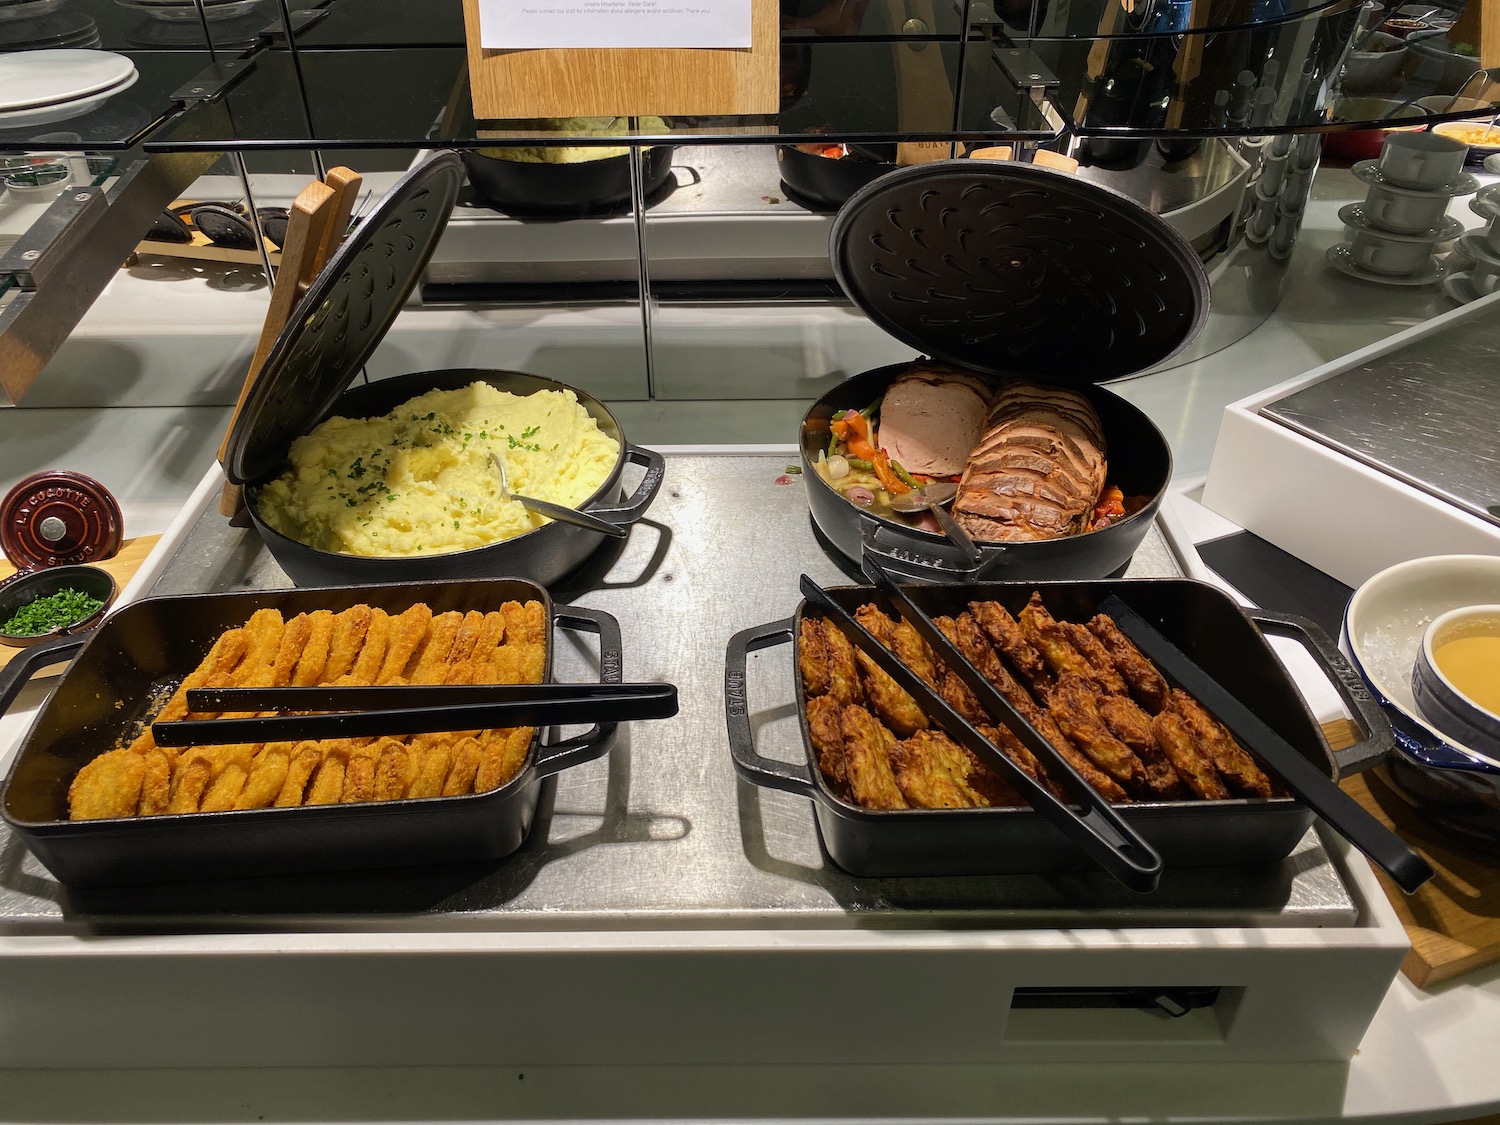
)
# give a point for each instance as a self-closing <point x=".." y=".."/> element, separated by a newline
<point x="123" y="566"/>
<point x="1454" y="919"/>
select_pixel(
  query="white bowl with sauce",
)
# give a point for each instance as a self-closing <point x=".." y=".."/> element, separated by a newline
<point x="1456" y="679"/>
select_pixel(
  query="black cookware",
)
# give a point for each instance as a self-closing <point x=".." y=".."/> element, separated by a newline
<point x="1205" y="623"/>
<point x="142" y="651"/>
<point x="332" y="332"/>
<point x="564" y="191"/>
<point x="1006" y="269"/>
<point x="543" y="554"/>
<point x="825" y="183"/>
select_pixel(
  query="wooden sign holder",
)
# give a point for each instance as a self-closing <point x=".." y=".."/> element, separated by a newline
<point x="612" y="82"/>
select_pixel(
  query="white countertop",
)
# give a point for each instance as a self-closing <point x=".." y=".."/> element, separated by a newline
<point x="1428" y="1055"/>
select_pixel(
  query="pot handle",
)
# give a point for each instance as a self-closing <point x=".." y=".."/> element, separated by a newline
<point x="902" y="562"/>
<point x="15" y="675"/>
<point x="1378" y="740"/>
<point x="594" y="742"/>
<point x="635" y="506"/>
<point x="748" y="763"/>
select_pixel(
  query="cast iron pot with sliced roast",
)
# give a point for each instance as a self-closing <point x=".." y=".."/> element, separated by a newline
<point x="128" y="666"/>
<point x="333" y="330"/>
<point x="1006" y="270"/>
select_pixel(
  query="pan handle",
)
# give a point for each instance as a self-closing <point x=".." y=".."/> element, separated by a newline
<point x="902" y="561"/>
<point x="636" y="504"/>
<point x="594" y="742"/>
<point x="1378" y="740"/>
<point x="15" y="675"/>
<point x="748" y="763"/>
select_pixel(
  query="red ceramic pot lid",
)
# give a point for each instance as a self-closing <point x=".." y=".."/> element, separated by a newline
<point x="58" y="518"/>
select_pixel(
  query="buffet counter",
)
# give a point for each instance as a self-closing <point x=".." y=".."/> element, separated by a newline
<point x="455" y="1001"/>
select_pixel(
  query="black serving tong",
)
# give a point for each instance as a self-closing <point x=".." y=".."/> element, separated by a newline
<point x="362" y="712"/>
<point x="1094" y="826"/>
<point x="1382" y="846"/>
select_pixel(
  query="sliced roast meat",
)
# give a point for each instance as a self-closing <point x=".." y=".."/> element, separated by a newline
<point x="1038" y="468"/>
<point x="931" y="417"/>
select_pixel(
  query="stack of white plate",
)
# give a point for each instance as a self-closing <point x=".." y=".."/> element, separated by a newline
<point x="65" y="29"/>
<point x="188" y="9"/>
<point x="40" y="87"/>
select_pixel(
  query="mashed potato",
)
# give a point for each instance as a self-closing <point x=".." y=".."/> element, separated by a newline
<point x="576" y="154"/>
<point x="420" y="480"/>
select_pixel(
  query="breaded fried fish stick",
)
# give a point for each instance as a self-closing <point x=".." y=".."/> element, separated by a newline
<point x="263" y="632"/>
<point x="290" y="651"/>
<point x="409" y="629"/>
<point x="304" y="760"/>
<point x="466" y="759"/>
<point x="267" y="776"/>
<point x="225" y="789"/>
<point x="156" y="787"/>
<point x="430" y="665"/>
<point x="328" y="782"/>
<point x="215" y="669"/>
<point x="394" y="770"/>
<point x="526" y="631"/>
<point x="371" y="656"/>
<point x="466" y="640"/>
<point x="348" y="639"/>
<point x="109" y="786"/>
<point x="434" y="760"/>
<point x="190" y="780"/>
<point x="501" y="754"/>
<point x="316" y="649"/>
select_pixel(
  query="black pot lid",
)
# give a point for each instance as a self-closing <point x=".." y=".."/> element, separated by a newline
<point x="59" y="518"/>
<point x="343" y="317"/>
<point x="1010" y="269"/>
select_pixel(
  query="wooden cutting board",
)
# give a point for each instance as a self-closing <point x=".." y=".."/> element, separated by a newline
<point x="123" y="566"/>
<point x="1454" y="920"/>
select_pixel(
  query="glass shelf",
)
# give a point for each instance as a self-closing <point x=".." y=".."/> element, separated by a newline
<point x="122" y="121"/>
<point x="352" y="102"/>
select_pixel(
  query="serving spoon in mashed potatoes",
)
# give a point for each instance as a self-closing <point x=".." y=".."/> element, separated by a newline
<point x="559" y="512"/>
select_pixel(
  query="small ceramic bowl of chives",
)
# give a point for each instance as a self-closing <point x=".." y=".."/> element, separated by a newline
<point x="38" y="605"/>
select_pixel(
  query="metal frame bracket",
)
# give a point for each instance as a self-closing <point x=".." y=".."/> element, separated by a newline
<point x="211" y="82"/>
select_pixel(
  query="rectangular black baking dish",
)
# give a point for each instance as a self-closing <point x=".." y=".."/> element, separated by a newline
<point x="143" y="650"/>
<point x="1224" y="639"/>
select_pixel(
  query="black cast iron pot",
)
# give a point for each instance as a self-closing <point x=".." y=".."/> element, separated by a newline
<point x="542" y="555"/>
<point x="140" y="653"/>
<point x="827" y="183"/>
<point x="1140" y="463"/>
<point x="584" y="187"/>
<point x="1201" y="620"/>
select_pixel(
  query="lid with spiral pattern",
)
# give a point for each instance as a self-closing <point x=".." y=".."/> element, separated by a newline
<point x="342" y="317"/>
<point x="1010" y="269"/>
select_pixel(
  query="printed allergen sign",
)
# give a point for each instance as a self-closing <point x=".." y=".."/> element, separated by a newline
<point x="509" y="25"/>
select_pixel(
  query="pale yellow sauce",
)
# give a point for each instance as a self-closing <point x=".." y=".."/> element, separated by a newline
<point x="1472" y="665"/>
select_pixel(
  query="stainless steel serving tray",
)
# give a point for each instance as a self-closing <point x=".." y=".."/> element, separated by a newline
<point x="661" y="835"/>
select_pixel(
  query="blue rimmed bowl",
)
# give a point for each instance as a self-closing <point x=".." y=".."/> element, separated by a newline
<point x="1452" y="783"/>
